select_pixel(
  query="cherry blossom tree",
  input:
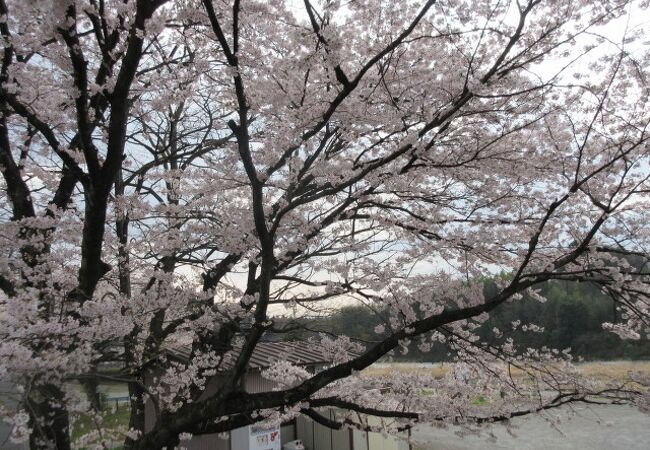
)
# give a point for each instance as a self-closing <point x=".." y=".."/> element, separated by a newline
<point x="177" y="172"/>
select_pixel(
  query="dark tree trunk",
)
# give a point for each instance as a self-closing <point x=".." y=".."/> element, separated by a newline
<point x="49" y="419"/>
<point x="136" y="420"/>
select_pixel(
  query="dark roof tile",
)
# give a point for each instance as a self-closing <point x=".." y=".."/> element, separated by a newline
<point x="299" y="353"/>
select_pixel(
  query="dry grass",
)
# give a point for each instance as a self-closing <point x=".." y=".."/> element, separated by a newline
<point x="616" y="370"/>
<point x="437" y="370"/>
<point x="603" y="370"/>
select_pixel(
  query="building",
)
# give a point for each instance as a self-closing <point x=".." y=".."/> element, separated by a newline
<point x="314" y="436"/>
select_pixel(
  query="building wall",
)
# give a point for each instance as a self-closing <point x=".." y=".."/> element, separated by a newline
<point x="322" y="437"/>
<point x="202" y="442"/>
<point x="379" y="441"/>
<point x="313" y="435"/>
<point x="359" y="440"/>
<point x="318" y="437"/>
<point x="207" y="442"/>
<point x="341" y="439"/>
<point x="254" y="383"/>
<point x="305" y="431"/>
<point x="288" y="433"/>
<point x="239" y="438"/>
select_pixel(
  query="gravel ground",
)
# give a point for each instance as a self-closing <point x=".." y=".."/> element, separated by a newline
<point x="591" y="428"/>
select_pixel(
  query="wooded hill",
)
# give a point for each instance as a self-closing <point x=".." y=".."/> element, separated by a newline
<point x="571" y="317"/>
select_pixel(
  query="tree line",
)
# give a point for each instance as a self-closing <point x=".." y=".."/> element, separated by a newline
<point x="571" y="317"/>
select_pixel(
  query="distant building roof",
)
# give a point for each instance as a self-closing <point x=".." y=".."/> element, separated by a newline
<point x="299" y="353"/>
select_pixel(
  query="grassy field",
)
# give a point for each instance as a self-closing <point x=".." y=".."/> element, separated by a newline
<point x="113" y="424"/>
<point x="603" y="370"/>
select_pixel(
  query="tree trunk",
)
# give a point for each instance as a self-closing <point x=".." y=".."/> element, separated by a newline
<point x="136" y="420"/>
<point x="49" y="419"/>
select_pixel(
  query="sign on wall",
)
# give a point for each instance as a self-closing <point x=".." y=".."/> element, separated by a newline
<point x="263" y="436"/>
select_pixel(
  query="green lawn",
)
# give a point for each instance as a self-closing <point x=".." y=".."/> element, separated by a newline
<point x="110" y="427"/>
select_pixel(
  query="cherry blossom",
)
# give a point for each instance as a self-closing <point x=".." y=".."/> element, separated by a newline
<point x="206" y="175"/>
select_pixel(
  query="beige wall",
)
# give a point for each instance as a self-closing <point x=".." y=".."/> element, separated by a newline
<point x="319" y="437"/>
<point x="288" y="433"/>
<point x="254" y="382"/>
<point x="379" y="441"/>
<point x="207" y="442"/>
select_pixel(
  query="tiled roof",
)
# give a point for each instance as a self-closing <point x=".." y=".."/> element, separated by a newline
<point x="300" y="353"/>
